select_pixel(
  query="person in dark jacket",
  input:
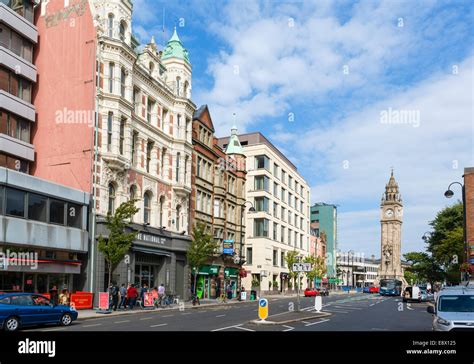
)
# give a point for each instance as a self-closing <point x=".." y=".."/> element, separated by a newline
<point x="115" y="291"/>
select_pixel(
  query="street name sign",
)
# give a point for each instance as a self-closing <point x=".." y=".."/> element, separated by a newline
<point x="301" y="267"/>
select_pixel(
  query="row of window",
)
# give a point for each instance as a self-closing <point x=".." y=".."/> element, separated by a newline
<point x="15" y="84"/>
<point x="276" y="263"/>
<point x="262" y="183"/>
<point x="262" y="204"/>
<point x="261" y="229"/>
<point x="33" y="206"/>
<point x="16" y="43"/>
<point x="263" y="162"/>
<point x="15" y="163"/>
<point x="14" y="126"/>
<point x="23" y="8"/>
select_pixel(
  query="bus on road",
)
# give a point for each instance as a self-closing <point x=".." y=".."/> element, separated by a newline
<point x="390" y="287"/>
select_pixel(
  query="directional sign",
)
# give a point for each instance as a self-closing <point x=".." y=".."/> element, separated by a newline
<point x="301" y="267"/>
<point x="262" y="308"/>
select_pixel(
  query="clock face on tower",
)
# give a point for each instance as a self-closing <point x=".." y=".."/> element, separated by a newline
<point x="399" y="212"/>
<point x="389" y="213"/>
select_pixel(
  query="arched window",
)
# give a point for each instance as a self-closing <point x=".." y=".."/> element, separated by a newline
<point x="146" y="208"/>
<point x="111" y="198"/>
<point x="186" y="89"/>
<point x="111" y="25"/>
<point x="162" y="205"/>
<point x="133" y="192"/>
<point x="178" y="218"/>
<point x="123" y="28"/>
<point x="178" y="85"/>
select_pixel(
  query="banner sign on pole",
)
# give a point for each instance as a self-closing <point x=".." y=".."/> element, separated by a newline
<point x="148" y="299"/>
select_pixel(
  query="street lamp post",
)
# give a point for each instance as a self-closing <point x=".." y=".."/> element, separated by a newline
<point x="448" y="194"/>
<point x="351" y="256"/>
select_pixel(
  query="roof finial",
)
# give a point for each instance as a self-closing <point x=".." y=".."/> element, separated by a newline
<point x="392" y="170"/>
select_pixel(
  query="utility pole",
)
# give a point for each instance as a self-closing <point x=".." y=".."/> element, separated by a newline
<point x="298" y="287"/>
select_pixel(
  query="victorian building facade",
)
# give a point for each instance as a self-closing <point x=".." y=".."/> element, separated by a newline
<point x="218" y="197"/>
<point x="120" y="130"/>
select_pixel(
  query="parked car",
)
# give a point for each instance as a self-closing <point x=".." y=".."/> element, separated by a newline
<point x="311" y="292"/>
<point x="323" y="291"/>
<point x="374" y="289"/>
<point x="366" y="289"/>
<point x="453" y="309"/>
<point x="426" y="296"/>
<point x="28" y="309"/>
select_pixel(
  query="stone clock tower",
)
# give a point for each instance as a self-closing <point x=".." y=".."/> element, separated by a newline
<point x="391" y="210"/>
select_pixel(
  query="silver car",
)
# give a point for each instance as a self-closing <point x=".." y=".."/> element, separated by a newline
<point x="453" y="309"/>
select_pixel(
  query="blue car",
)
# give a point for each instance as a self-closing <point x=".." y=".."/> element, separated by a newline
<point x="366" y="290"/>
<point x="28" y="309"/>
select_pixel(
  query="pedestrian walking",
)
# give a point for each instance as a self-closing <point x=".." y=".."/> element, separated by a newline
<point x="132" y="295"/>
<point x="123" y="297"/>
<point x="115" y="291"/>
<point x="161" y="293"/>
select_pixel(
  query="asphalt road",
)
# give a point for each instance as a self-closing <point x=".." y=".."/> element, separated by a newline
<point x="355" y="312"/>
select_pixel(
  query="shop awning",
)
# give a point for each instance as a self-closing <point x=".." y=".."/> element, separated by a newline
<point x="151" y="251"/>
<point x="231" y="272"/>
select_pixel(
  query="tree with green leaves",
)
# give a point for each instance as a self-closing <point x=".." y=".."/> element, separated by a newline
<point x="424" y="267"/>
<point x="318" y="268"/>
<point x="118" y="241"/>
<point x="202" y="248"/>
<point x="291" y="257"/>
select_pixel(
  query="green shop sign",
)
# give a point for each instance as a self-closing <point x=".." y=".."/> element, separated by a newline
<point x="208" y="270"/>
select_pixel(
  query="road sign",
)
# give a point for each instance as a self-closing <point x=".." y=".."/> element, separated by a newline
<point x="301" y="267"/>
<point x="262" y="308"/>
<point x="318" y="303"/>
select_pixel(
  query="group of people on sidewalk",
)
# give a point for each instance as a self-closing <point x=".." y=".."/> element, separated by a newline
<point x="127" y="297"/>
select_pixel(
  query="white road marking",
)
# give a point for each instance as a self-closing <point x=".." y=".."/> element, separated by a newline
<point x="146" y="318"/>
<point x="91" y="325"/>
<point x="121" y="322"/>
<point x="158" y="325"/>
<point x="228" y="327"/>
<point x="348" y="307"/>
<point x="335" y="311"/>
<point x="317" y="322"/>
<point x="289" y="328"/>
<point x="168" y="316"/>
<point x="244" y="328"/>
<point x="220" y="315"/>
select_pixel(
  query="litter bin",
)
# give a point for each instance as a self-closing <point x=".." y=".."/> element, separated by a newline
<point x="253" y="295"/>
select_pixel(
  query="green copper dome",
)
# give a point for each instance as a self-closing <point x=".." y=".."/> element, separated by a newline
<point x="234" y="146"/>
<point x="174" y="49"/>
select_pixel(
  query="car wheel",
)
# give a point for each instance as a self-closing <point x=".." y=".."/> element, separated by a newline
<point x="66" y="320"/>
<point x="11" y="324"/>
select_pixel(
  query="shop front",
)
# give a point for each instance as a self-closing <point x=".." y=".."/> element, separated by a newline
<point x="156" y="257"/>
<point x="231" y="276"/>
<point x="207" y="282"/>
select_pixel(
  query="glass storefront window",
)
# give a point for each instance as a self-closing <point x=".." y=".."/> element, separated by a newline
<point x="37" y="207"/>
<point x="56" y="212"/>
<point x="15" y="202"/>
<point x="74" y="215"/>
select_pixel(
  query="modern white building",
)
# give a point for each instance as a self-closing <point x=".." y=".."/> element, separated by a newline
<point x="356" y="270"/>
<point x="281" y="222"/>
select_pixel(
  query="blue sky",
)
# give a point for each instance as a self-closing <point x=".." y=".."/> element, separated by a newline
<point x="336" y="66"/>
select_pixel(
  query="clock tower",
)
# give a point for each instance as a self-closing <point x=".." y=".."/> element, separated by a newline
<point x="391" y="210"/>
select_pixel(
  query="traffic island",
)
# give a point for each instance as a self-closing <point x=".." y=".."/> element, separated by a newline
<point x="291" y="316"/>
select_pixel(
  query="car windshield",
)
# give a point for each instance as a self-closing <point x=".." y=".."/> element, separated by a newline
<point x="453" y="303"/>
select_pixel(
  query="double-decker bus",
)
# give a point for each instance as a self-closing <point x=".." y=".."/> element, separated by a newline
<point x="390" y="287"/>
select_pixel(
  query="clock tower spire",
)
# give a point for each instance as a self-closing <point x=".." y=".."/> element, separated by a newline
<point x="391" y="209"/>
